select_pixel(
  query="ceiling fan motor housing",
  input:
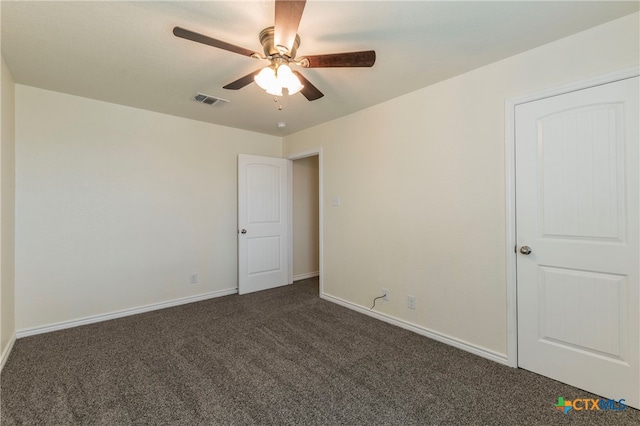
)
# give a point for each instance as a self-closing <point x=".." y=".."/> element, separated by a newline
<point x="270" y="49"/>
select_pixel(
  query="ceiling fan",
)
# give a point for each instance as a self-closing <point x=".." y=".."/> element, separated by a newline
<point x="280" y="44"/>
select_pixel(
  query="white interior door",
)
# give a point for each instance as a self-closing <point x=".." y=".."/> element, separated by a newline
<point x="577" y="210"/>
<point x="263" y="223"/>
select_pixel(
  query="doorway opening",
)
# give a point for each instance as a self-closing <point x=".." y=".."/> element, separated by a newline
<point x="306" y="217"/>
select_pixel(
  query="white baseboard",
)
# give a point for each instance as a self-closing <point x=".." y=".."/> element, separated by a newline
<point x="305" y="276"/>
<point x="452" y="341"/>
<point x="7" y="351"/>
<point x="124" y="313"/>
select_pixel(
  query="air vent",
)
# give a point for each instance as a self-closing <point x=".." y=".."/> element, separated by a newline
<point x="209" y="100"/>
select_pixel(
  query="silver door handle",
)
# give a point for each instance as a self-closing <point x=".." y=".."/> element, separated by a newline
<point x="243" y="231"/>
<point x="526" y="250"/>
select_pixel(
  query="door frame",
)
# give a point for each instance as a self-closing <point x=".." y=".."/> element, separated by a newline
<point x="510" y="188"/>
<point x="297" y="156"/>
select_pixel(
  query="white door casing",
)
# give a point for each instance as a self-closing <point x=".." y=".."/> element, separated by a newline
<point x="577" y="162"/>
<point x="263" y="223"/>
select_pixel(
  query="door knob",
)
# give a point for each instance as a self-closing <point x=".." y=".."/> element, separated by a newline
<point x="243" y="231"/>
<point x="526" y="250"/>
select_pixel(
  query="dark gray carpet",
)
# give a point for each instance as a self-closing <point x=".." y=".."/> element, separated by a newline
<point x="282" y="356"/>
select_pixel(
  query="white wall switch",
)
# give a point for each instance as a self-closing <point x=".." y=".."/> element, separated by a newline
<point x="335" y="201"/>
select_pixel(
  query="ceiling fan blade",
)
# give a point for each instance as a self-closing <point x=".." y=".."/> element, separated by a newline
<point x="242" y="81"/>
<point x="365" y="58"/>
<point x="309" y="91"/>
<point x="288" y="15"/>
<point x="200" y="38"/>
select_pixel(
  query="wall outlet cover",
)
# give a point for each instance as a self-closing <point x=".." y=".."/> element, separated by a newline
<point x="411" y="302"/>
<point x="385" y="291"/>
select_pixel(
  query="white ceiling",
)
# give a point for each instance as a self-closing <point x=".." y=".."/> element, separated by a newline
<point x="125" y="52"/>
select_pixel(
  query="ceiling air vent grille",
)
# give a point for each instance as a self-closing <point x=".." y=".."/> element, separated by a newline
<point x="209" y="100"/>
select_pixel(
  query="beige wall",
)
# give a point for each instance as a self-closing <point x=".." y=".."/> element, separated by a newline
<point x="116" y="207"/>
<point x="422" y="184"/>
<point x="7" y="211"/>
<point x="305" y="217"/>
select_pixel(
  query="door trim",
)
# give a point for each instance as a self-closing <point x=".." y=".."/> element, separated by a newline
<point x="510" y="188"/>
<point x="297" y="156"/>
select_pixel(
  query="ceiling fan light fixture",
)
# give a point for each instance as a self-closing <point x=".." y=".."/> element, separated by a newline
<point x="295" y="89"/>
<point x="273" y="79"/>
<point x="288" y="79"/>
<point x="267" y="80"/>
<point x="275" y="91"/>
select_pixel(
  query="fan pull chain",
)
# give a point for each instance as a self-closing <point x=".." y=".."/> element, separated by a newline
<point x="275" y="99"/>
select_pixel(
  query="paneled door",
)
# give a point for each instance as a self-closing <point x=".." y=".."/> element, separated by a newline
<point x="577" y="223"/>
<point x="263" y="223"/>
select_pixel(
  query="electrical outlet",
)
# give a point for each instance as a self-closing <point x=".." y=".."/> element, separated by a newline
<point x="411" y="302"/>
<point x="385" y="291"/>
<point x="193" y="278"/>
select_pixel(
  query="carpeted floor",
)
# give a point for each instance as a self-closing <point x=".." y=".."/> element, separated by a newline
<point x="277" y="357"/>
